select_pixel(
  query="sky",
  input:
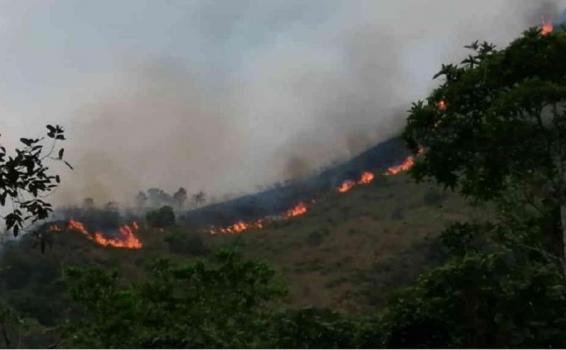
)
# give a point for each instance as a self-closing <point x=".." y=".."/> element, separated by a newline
<point x="227" y="96"/>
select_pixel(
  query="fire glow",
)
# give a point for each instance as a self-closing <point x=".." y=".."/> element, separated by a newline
<point x="346" y="186"/>
<point x="406" y="165"/>
<point x="301" y="208"/>
<point x="366" y="178"/>
<point x="297" y="210"/>
<point x="242" y="226"/>
<point x="126" y="239"/>
<point x="547" y="27"/>
<point x="237" y="227"/>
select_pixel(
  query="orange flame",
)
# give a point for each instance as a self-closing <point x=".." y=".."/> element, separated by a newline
<point x="547" y="27"/>
<point x="297" y="210"/>
<point x="78" y="226"/>
<point x="367" y="177"/>
<point x="441" y="105"/>
<point x="127" y="238"/>
<point x="242" y="226"/>
<point x="301" y="208"/>
<point x="346" y="186"/>
<point x="406" y="165"/>
<point x="238" y="227"/>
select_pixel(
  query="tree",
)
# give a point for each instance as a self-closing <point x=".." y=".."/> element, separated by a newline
<point x="88" y="204"/>
<point x="496" y="126"/>
<point x="162" y="217"/>
<point x="25" y="179"/>
<point x="141" y="200"/>
<point x="480" y="300"/>
<point x="215" y="304"/>
<point x="158" y="197"/>
<point x="111" y="206"/>
<point x="180" y="197"/>
<point x="199" y="199"/>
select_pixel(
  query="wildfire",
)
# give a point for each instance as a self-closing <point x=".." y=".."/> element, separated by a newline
<point x="406" y="165"/>
<point x="301" y="208"/>
<point x="346" y="186"/>
<point x="242" y="226"/>
<point x="547" y="27"/>
<point x="366" y="178"/>
<point x="297" y="210"/>
<point x="238" y="227"/>
<point x="126" y="239"/>
<point x="396" y="169"/>
<point x="441" y="105"/>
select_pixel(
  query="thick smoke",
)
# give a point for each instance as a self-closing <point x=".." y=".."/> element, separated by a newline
<point x="320" y="81"/>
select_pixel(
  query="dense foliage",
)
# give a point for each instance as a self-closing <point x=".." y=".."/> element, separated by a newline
<point x="196" y="305"/>
<point x="162" y="217"/>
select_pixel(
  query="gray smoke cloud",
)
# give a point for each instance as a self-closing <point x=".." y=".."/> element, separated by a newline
<point x="279" y="89"/>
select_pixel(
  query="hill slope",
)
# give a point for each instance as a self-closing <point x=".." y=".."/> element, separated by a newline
<point x="352" y="248"/>
<point x="347" y="252"/>
<point x="282" y="197"/>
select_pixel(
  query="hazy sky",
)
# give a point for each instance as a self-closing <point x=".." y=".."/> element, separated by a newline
<point x="227" y="95"/>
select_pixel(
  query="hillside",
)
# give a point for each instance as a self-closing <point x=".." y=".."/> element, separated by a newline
<point x="352" y="248"/>
<point x="283" y="196"/>
<point x="347" y="252"/>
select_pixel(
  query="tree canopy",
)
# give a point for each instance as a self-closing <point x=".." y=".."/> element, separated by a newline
<point x="496" y="127"/>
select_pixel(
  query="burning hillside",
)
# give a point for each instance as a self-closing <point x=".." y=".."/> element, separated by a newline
<point x="241" y="226"/>
<point x="126" y="237"/>
<point x="301" y="208"/>
<point x="367" y="177"/>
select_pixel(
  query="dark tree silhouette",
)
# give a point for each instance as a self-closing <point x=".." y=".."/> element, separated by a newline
<point x="180" y="197"/>
<point x="158" y="197"/>
<point x="25" y="179"/>
<point x="199" y="199"/>
<point x="141" y="200"/>
<point x="88" y="204"/>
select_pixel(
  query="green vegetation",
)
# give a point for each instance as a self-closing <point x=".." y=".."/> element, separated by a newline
<point x="391" y="264"/>
<point x="162" y="217"/>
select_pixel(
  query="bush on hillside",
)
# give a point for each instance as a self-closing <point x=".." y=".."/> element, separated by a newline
<point x="186" y="244"/>
<point x="162" y="217"/>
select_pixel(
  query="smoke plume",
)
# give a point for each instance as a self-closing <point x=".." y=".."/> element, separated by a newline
<point x="268" y="91"/>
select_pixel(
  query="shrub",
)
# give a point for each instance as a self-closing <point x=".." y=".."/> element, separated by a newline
<point x="186" y="244"/>
<point x="214" y="304"/>
<point x="162" y="217"/>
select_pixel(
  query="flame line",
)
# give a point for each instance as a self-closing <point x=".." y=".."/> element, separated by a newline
<point x="127" y="238"/>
